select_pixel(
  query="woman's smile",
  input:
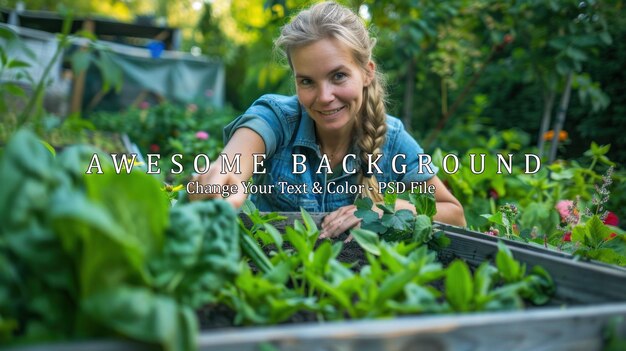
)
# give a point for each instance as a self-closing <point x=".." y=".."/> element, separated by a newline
<point x="331" y="113"/>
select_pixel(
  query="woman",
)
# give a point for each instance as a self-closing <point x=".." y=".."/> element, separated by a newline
<point x="335" y="131"/>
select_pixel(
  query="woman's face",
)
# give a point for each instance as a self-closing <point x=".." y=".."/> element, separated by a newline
<point x="329" y="83"/>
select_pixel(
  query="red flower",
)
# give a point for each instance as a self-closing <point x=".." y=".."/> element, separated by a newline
<point x="155" y="148"/>
<point x="493" y="194"/>
<point x="567" y="236"/>
<point x="611" y="219"/>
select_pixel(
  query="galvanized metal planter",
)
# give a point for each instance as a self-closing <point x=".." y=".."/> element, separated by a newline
<point x="589" y="299"/>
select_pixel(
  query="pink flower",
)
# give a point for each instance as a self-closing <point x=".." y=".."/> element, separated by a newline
<point x="493" y="232"/>
<point x="192" y="108"/>
<point x="202" y="135"/>
<point x="563" y="207"/>
<point x="144" y="105"/>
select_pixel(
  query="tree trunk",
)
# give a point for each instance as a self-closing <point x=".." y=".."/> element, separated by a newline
<point x="548" y="103"/>
<point x="560" y="117"/>
<point x="409" y="90"/>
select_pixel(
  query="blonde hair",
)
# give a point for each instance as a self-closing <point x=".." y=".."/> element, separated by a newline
<point x="330" y="20"/>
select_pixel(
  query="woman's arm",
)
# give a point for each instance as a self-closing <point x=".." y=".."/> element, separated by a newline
<point x="244" y="142"/>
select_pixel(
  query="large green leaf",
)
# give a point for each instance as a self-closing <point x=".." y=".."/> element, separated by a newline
<point x="459" y="286"/>
<point x="106" y="256"/>
<point x="321" y="256"/>
<point x="483" y="279"/>
<point x="140" y="314"/>
<point x="597" y="230"/>
<point x="394" y="284"/>
<point x="137" y="204"/>
<point x="423" y="229"/>
<point x="424" y="204"/>
<point x="368" y="240"/>
<point x="510" y="269"/>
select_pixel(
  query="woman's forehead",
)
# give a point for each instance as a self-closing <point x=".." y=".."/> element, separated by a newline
<point x="321" y="57"/>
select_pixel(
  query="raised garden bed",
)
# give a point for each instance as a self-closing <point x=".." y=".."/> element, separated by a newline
<point x="590" y="301"/>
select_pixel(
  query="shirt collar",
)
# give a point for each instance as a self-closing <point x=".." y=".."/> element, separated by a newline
<point x="305" y="137"/>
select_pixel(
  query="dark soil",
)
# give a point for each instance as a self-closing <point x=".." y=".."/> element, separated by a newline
<point x="221" y="316"/>
<point x="215" y="317"/>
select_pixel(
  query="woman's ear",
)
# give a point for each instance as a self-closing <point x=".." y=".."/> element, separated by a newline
<point x="370" y="73"/>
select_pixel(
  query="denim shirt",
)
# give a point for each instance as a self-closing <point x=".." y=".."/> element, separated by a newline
<point x="287" y="129"/>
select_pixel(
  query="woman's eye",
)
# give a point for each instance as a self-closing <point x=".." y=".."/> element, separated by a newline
<point x="340" y="76"/>
<point x="305" y="82"/>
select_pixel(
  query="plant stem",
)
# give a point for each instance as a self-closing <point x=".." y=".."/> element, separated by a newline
<point x="39" y="89"/>
<point x="457" y="102"/>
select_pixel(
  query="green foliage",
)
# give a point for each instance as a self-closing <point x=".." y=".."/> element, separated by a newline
<point x="117" y="266"/>
<point x="201" y="252"/>
<point x="21" y="109"/>
<point x="401" y="224"/>
<point x="399" y="277"/>
<point x="169" y="129"/>
<point x="11" y="66"/>
<point x="113" y="264"/>
<point x="582" y="231"/>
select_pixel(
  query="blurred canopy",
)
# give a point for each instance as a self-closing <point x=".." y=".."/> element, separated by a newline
<point x="494" y="63"/>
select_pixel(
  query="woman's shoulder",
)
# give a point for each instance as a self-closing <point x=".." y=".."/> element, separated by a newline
<point x="394" y="125"/>
<point x="281" y="104"/>
<point x="397" y="135"/>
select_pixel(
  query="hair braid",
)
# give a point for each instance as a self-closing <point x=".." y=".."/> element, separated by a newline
<point x="372" y="128"/>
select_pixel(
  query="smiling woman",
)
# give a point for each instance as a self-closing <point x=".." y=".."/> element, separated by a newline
<point x="330" y="87"/>
<point x="338" y="110"/>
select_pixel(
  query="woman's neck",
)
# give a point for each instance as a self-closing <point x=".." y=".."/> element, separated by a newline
<point x="335" y="144"/>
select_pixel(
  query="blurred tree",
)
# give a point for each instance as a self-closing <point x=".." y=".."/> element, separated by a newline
<point x="554" y="39"/>
<point x="408" y="33"/>
<point x="119" y="9"/>
<point x="434" y="52"/>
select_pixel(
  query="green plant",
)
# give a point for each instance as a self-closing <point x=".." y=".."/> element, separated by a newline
<point x="115" y="265"/>
<point x="12" y="66"/>
<point x="168" y="129"/>
<point x="399" y="276"/>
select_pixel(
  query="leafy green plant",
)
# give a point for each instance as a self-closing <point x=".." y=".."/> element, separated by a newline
<point x="401" y="224"/>
<point x="397" y="277"/>
<point x="114" y="264"/>
<point x="10" y="90"/>
<point x="169" y="128"/>
<point x="576" y="226"/>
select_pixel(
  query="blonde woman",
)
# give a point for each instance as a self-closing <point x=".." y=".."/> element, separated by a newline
<point x="331" y="142"/>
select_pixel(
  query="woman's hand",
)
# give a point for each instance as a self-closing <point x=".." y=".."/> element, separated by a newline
<point x="245" y="143"/>
<point x="213" y="178"/>
<point x="338" y="222"/>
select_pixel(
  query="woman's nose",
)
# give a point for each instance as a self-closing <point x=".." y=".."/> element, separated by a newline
<point x="326" y="93"/>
